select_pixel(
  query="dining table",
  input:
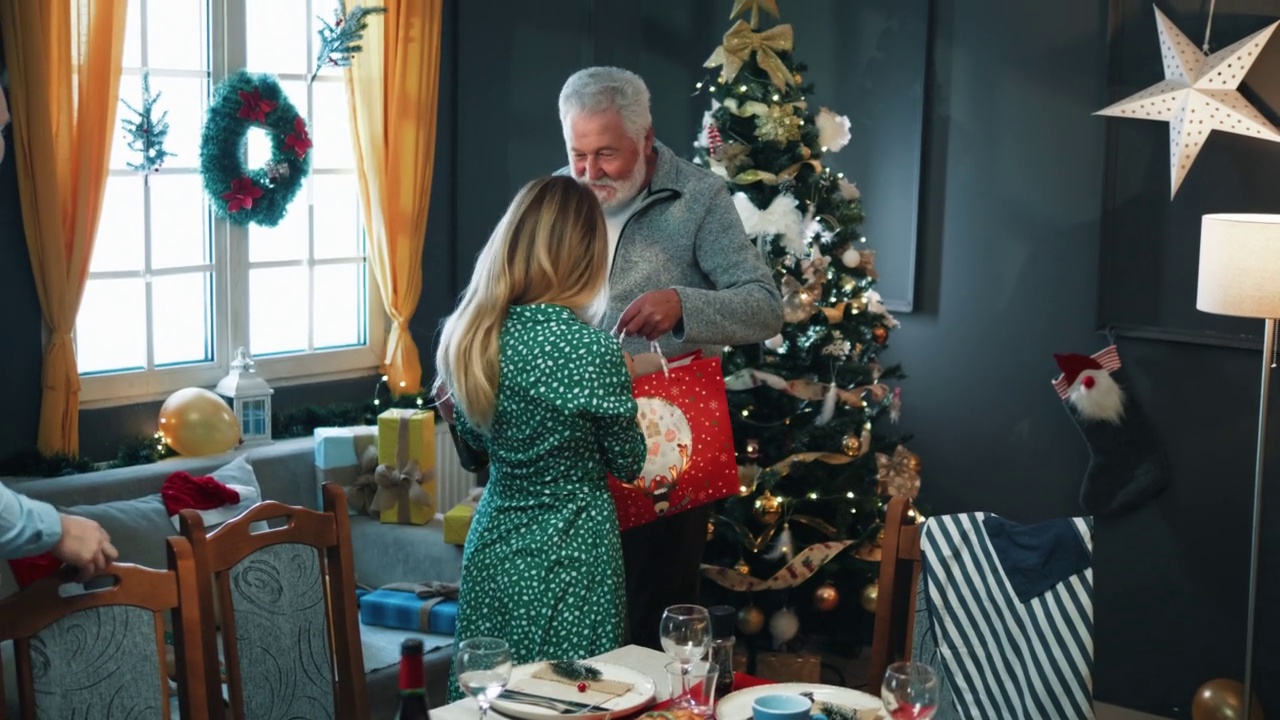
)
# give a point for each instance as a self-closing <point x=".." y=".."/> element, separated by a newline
<point x="644" y="660"/>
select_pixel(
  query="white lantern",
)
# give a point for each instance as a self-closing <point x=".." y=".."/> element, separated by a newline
<point x="250" y="398"/>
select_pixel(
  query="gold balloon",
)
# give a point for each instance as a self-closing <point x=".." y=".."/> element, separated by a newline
<point x="851" y="444"/>
<point x="870" y="596"/>
<point x="826" y="597"/>
<point x="768" y="508"/>
<point x="750" y="620"/>
<point x="1223" y="699"/>
<point x="196" y="422"/>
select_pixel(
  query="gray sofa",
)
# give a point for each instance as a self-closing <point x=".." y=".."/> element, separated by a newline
<point x="124" y="500"/>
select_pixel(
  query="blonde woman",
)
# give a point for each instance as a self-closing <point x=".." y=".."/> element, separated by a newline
<point x="548" y="397"/>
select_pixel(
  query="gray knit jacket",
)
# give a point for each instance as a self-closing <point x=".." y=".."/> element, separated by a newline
<point x="687" y="235"/>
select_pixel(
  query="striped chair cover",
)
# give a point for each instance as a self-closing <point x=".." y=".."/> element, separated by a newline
<point x="999" y="658"/>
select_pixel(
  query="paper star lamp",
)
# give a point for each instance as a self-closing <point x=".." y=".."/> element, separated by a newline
<point x="1198" y="95"/>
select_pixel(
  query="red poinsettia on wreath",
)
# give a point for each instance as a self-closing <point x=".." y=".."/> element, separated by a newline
<point x="254" y="107"/>
<point x="242" y="194"/>
<point x="298" y="139"/>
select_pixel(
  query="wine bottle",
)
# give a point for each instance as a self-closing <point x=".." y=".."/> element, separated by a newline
<point x="413" y="693"/>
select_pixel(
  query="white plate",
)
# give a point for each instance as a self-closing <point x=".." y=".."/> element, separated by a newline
<point x="640" y="696"/>
<point x="737" y="704"/>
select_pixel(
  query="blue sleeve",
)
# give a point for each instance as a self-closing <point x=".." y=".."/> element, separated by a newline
<point x="27" y="527"/>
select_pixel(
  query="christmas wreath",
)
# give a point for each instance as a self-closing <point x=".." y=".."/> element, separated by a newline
<point x="260" y="195"/>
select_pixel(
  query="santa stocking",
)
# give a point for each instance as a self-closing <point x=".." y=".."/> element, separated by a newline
<point x="1127" y="466"/>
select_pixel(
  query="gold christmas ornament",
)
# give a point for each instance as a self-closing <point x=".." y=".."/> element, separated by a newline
<point x="743" y="567"/>
<point x="797" y="79"/>
<point x="711" y="530"/>
<point x="870" y="596"/>
<point x="739" y="44"/>
<point x="750" y="620"/>
<point x="805" y="152"/>
<point x="826" y="597"/>
<point x="768" y="508"/>
<point x="851" y="445"/>
<point x="880" y="334"/>
<point x="1223" y="699"/>
<point x="778" y="124"/>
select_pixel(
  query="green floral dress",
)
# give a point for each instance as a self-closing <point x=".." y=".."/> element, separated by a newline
<point x="542" y="565"/>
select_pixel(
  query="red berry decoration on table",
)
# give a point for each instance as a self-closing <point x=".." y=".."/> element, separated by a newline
<point x="582" y="687"/>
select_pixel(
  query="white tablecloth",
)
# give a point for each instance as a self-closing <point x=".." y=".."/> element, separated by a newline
<point x="642" y="659"/>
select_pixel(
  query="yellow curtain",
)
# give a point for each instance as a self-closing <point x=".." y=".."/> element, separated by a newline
<point x="64" y="60"/>
<point x="393" y="86"/>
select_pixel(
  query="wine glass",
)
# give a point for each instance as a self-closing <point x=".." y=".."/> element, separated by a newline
<point x="483" y="666"/>
<point x="686" y="636"/>
<point x="910" y="691"/>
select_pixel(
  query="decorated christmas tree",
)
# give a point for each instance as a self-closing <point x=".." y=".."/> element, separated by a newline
<point x="797" y="551"/>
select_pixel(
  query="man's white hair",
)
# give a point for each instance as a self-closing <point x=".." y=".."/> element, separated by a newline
<point x="597" y="89"/>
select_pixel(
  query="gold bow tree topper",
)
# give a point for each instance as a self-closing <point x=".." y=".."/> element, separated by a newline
<point x="741" y="42"/>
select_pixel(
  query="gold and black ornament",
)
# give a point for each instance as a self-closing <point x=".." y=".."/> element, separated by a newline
<point x="826" y="597"/>
<point x="750" y="620"/>
<point x="851" y="445"/>
<point x="768" y="508"/>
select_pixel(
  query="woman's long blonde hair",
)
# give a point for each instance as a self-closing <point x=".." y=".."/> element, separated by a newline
<point x="551" y="246"/>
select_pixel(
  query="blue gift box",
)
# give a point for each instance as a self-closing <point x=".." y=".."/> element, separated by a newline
<point x="404" y="611"/>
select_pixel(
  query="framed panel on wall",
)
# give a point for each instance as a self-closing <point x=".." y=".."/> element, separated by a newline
<point x="867" y="60"/>
<point x="1149" y="253"/>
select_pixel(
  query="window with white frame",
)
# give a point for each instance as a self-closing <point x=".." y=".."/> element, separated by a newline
<point x="173" y="291"/>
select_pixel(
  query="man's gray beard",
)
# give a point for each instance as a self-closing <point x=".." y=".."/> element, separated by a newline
<point x="624" y="190"/>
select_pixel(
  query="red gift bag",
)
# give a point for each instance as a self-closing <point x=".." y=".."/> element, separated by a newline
<point x="684" y="413"/>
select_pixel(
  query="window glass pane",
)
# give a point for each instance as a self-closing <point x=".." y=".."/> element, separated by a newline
<point x="130" y="92"/>
<point x="259" y="142"/>
<point x="277" y="310"/>
<point x="185" y="101"/>
<point x="331" y="126"/>
<point x="120" y="242"/>
<point x="111" y="329"/>
<point x="179" y="222"/>
<point x="339" y="233"/>
<point x="133" y="35"/>
<point x="183" y="318"/>
<point x="176" y="35"/>
<point x="276" y="41"/>
<point x="340" y="305"/>
<point x="288" y="239"/>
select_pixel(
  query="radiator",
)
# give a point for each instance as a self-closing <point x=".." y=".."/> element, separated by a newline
<point x="452" y="482"/>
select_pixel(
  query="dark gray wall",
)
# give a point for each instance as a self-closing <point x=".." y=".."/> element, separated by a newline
<point x="1014" y="167"/>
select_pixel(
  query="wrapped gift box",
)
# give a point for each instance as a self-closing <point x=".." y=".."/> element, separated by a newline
<point x="407" y="611"/>
<point x="789" y="667"/>
<point x="457" y="522"/>
<point x="407" y="447"/>
<point x="345" y="454"/>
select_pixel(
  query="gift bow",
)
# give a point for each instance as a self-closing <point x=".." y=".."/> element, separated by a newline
<point x="401" y="485"/>
<point x="899" y="474"/>
<point x="361" y="493"/>
<point x="741" y="41"/>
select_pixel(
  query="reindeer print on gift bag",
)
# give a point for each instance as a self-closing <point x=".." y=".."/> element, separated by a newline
<point x="690" y="460"/>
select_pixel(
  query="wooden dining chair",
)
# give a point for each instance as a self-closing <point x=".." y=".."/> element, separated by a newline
<point x="101" y="652"/>
<point x="896" y="599"/>
<point x="290" y="636"/>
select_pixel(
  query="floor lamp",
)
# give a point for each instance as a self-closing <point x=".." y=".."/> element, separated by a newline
<point x="1240" y="276"/>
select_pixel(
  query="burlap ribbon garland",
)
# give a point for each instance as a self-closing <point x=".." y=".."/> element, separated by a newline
<point x="806" y="389"/>
<point x="794" y="573"/>
<point x="401" y="484"/>
<point x="741" y="41"/>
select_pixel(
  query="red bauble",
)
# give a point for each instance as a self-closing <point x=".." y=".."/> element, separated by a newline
<point x="582" y="687"/>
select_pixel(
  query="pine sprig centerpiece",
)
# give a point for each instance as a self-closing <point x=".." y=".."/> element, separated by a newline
<point x="340" y="41"/>
<point x="575" y="671"/>
<point x="147" y="133"/>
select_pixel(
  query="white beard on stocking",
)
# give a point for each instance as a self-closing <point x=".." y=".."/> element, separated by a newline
<point x="1097" y="396"/>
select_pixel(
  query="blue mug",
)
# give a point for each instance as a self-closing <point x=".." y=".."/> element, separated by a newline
<point x="783" y="707"/>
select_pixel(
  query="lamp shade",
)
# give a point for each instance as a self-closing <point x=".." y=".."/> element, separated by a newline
<point x="1239" y="265"/>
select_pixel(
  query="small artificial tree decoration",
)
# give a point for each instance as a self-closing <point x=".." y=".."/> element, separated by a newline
<point x="146" y="132"/>
<point x="340" y="41"/>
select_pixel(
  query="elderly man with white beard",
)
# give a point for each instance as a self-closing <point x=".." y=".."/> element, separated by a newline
<point x="682" y="273"/>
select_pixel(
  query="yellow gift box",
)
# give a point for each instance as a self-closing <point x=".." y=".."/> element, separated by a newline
<point x="406" y="474"/>
<point x="457" y="522"/>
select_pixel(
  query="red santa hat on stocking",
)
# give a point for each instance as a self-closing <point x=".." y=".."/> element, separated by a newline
<point x="1087" y="384"/>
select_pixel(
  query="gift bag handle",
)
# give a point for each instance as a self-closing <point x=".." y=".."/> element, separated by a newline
<point x="656" y="349"/>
